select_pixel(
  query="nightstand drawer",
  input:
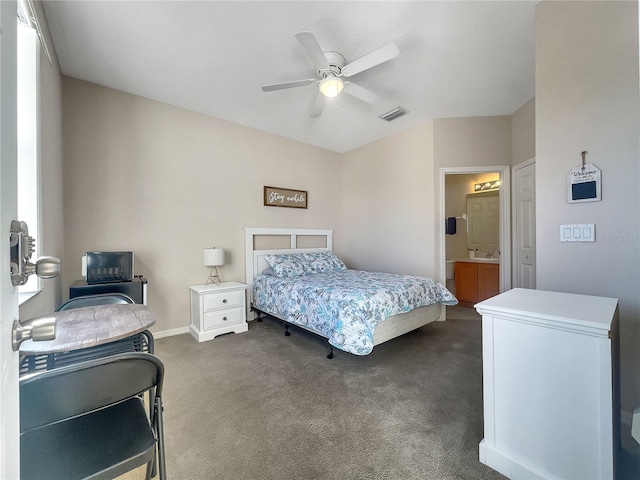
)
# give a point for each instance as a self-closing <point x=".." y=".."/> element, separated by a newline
<point x="216" y="301"/>
<point x="226" y="317"/>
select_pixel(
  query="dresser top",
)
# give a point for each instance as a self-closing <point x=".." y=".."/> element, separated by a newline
<point x="568" y="308"/>
<point x="217" y="287"/>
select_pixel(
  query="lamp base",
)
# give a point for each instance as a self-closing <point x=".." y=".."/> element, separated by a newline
<point x="214" y="278"/>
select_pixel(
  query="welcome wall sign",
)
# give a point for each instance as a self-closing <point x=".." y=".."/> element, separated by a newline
<point x="285" y="197"/>
<point x="584" y="183"/>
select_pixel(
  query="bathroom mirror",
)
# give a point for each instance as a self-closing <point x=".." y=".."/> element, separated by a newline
<point x="483" y="222"/>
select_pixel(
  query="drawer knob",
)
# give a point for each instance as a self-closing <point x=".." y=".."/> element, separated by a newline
<point x="224" y="301"/>
<point x="224" y="318"/>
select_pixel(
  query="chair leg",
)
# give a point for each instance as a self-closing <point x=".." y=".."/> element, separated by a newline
<point x="160" y="432"/>
<point x="151" y="469"/>
<point x="149" y="472"/>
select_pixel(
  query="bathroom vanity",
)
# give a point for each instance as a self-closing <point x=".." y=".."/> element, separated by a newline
<point x="476" y="280"/>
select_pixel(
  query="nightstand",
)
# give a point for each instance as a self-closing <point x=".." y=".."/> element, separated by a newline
<point x="217" y="309"/>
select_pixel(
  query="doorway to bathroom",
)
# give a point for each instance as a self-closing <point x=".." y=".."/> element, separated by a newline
<point x="475" y="213"/>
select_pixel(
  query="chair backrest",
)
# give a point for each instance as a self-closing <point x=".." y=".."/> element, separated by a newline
<point x="99" y="299"/>
<point x="68" y="391"/>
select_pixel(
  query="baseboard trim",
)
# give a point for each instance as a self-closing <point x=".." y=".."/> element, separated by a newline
<point x="170" y="333"/>
<point x="508" y="465"/>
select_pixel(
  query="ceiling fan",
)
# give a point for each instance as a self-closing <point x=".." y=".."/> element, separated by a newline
<point x="331" y="68"/>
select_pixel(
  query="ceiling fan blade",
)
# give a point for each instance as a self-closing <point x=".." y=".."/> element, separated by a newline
<point x="310" y="44"/>
<point x="282" y="86"/>
<point x="372" y="59"/>
<point x="318" y="106"/>
<point x="361" y="93"/>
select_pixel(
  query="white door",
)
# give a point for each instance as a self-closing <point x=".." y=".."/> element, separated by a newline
<point x="9" y="409"/>
<point x="524" y="212"/>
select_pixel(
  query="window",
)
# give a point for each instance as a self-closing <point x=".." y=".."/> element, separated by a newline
<point x="28" y="139"/>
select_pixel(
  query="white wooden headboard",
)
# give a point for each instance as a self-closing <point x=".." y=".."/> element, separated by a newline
<point x="255" y="262"/>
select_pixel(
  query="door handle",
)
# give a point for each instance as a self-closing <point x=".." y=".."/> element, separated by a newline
<point x="38" y="329"/>
<point x="22" y="246"/>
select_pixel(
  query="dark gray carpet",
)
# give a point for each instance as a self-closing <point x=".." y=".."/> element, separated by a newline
<point x="259" y="405"/>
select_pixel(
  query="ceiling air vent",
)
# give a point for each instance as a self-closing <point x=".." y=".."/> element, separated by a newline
<point x="393" y="114"/>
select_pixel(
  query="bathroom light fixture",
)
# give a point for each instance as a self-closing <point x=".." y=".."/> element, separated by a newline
<point x="484" y="186"/>
<point x="213" y="257"/>
<point x="331" y="86"/>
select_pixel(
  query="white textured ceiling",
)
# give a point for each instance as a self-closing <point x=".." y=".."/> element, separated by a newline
<point x="457" y="59"/>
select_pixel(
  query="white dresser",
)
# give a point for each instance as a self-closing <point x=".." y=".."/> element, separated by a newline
<point x="551" y="385"/>
<point x="217" y="309"/>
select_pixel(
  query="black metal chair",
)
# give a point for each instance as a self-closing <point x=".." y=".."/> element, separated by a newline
<point x="88" y="420"/>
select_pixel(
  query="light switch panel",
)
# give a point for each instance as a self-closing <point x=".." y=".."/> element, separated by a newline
<point x="578" y="232"/>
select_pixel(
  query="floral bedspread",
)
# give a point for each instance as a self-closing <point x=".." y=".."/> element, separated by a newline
<point x="345" y="306"/>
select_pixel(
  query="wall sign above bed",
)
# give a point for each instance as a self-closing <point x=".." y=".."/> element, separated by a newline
<point x="285" y="197"/>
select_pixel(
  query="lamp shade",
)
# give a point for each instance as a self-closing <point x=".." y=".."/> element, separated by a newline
<point x="213" y="257"/>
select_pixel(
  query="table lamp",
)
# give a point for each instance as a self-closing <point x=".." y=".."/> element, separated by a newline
<point x="213" y="257"/>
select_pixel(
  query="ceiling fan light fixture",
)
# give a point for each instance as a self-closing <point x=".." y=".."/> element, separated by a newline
<point x="331" y="86"/>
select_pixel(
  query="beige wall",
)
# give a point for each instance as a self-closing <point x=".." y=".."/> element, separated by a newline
<point x="391" y="190"/>
<point x="388" y="204"/>
<point x="165" y="182"/>
<point x="587" y="99"/>
<point x="468" y="142"/>
<point x="472" y="141"/>
<point x="192" y="181"/>
<point x="523" y="133"/>
<point x="52" y="233"/>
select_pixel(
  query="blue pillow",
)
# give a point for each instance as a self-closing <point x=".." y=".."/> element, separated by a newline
<point x="287" y="265"/>
<point x="323" y="262"/>
<point x="296" y="264"/>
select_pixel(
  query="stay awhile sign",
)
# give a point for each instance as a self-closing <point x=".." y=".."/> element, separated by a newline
<point x="285" y="197"/>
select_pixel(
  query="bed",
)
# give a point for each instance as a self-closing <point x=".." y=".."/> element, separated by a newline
<point x="308" y="286"/>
